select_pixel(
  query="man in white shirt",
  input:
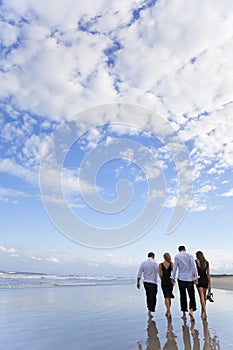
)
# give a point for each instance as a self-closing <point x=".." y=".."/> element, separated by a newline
<point x="149" y="270"/>
<point x="187" y="276"/>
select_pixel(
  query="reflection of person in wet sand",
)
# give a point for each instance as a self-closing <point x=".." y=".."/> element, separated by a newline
<point x="187" y="338"/>
<point x="171" y="340"/>
<point x="209" y="343"/>
<point x="153" y="342"/>
<point x="207" y="339"/>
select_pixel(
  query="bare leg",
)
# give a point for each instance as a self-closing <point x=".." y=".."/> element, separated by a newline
<point x="202" y="295"/>
<point x="168" y="305"/>
<point x="191" y="314"/>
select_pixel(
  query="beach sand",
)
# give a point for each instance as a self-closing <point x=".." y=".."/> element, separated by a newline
<point x="222" y="282"/>
<point x="108" y="317"/>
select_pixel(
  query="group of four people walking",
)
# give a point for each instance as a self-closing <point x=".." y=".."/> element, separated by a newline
<point x="189" y="272"/>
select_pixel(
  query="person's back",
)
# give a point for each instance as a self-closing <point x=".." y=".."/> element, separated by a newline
<point x="202" y="272"/>
<point x="186" y="267"/>
<point x="166" y="273"/>
<point x="149" y="270"/>
<point x="187" y="274"/>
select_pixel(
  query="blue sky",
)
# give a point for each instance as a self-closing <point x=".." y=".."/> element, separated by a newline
<point x="115" y="116"/>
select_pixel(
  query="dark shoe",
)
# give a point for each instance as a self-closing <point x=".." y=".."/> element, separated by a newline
<point x="210" y="297"/>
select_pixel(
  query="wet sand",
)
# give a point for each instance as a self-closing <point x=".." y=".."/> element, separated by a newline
<point x="108" y="317"/>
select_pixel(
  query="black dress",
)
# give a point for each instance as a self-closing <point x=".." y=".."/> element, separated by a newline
<point x="166" y="282"/>
<point x="203" y="278"/>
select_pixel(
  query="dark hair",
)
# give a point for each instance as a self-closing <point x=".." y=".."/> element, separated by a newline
<point x="151" y="255"/>
<point x="181" y="247"/>
<point x="202" y="259"/>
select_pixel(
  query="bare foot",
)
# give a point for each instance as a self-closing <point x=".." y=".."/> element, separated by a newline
<point x="184" y="316"/>
<point x="149" y="314"/>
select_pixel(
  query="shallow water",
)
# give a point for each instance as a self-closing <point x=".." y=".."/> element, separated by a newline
<point x="107" y="317"/>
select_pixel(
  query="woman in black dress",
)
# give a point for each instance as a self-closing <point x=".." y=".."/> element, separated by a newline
<point x="204" y="282"/>
<point x="165" y="269"/>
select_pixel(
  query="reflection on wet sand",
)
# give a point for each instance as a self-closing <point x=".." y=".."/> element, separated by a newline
<point x="190" y="335"/>
<point x="171" y="340"/>
<point x="209" y="343"/>
<point x="153" y="342"/>
<point x="187" y="336"/>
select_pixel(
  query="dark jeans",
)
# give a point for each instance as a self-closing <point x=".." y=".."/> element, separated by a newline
<point x="151" y="294"/>
<point x="189" y="286"/>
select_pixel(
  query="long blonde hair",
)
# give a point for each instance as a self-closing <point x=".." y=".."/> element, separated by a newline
<point x="167" y="257"/>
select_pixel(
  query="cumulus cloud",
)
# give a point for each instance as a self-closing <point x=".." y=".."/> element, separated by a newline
<point x="59" y="58"/>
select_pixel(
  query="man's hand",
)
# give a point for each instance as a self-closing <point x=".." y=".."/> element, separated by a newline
<point x="173" y="281"/>
<point x="138" y="285"/>
<point x="195" y="281"/>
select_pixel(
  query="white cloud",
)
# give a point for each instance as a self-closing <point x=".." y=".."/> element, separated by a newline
<point x="9" y="195"/>
<point x="179" y="66"/>
<point x="36" y="258"/>
<point x="94" y="137"/>
<point x="227" y="193"/>
<point x="53" y="260"/>
<point x="5" y="249"/>
<point x="10" y="166"/>
<point x="72" y="186"/>
<point x="8" y="34"/>
<point x="166" y="78"/>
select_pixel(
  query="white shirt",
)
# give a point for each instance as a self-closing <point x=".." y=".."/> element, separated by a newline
<point x="187" y="270"/>
<point x="149" y="270"/>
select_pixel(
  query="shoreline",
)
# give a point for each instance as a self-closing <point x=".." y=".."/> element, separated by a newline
<point x="222" y="282"/>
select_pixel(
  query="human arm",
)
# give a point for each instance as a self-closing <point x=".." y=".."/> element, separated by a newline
<point x="139" y="276"/>
<point x="174" y="269"/>
<point x="208" y="276"/>
<point x="160" y="271"/>
<point x="194" y="270"/>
